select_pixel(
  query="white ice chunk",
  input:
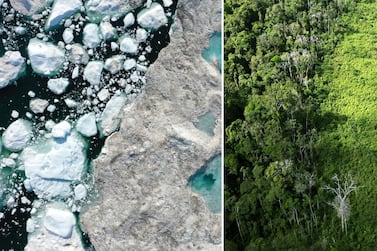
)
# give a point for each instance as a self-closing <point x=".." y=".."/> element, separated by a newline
<point x="30" y="226"/>
<point x="61" y="130"/>
<point x="61" y="10"/>
<point x="75" y="72"/>
<point x="78" y="55"/>
<point x="80" y="192"/>
<point x="54" y="229"/>
<point x="152" y="18"/>
<point x="91" y="36"/>
<point x="167" y="3"/>
<point x="49" y="125"/>
<point x="128" y="44"/>
<point x="59" y="222"/>
<point x="107" y="30"/>
<point x="97" y="9"/>
<point x="17" y="135"/>
<point x="141" y="35"/>
<point x="58" y="85"/>
<point x="45" y="58"/>
<point x="86" y="125"/>
<point x="11" y="66"/>
<point x="93" y="72"/>
<point x="129" y="64"/>
<point x="70" y="103"/>
<point x="114" y="64"/>
<point x="51" y="165"/>
<point x="129" y="20"/>
<point x="38" y="105"/>
<point x="51" y="108"/>
<point x="68" y="36"/>
<point x="111" y="115"/>
<point x="103" y="94"/>
<point x="29" y="7"/>
<point x="15" y="114"/>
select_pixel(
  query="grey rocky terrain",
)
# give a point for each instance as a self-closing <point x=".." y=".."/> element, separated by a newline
<point x="142" y="173"/>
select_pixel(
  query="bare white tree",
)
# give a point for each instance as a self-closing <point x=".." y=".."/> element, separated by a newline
<point x="341" y="201"/>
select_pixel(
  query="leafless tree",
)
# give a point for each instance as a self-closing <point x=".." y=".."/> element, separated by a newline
<point x="341" y="201"/>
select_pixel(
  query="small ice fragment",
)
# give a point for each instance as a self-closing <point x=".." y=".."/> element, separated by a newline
<point x="68" y="36"/>
<point x="129" y="64"/>
<point x="58" y="85"/>
<point x="11" y="66"/>
<point x="114" y="64"/>
<point x="80" y="192"/>
<point x="75" y="72"/>
<point x="30" y="226"/>
<point x="31" y="94"/>
<point x="38" y="105"/>
<point x="70" y="103"/>
<point x="128" y="45"/>
<point x="49" y="125"/>
<point x="103" y="94"/>
<point x="129" y="20"/>
<point x="107" y="30"/>
<point x="141" y="35"/>
<point x="78" y="55"/>
<point x="51" y="108"/>
<point x="152" y="18"/>
<point x="167" y="3"/>
<point x="14" y="114"/>
<point x="114" y="46"/>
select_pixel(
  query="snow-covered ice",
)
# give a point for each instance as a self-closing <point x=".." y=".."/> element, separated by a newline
<point x="11" y="65"/>
<point x="111" y="115"/>
<point x="29" y="7"/>
<point x="97" y="9"/>
<point x="17" y="135"/>
<point x="152" y="18"/>
<point x="61" y="129"/>
<point x="61" y="10"/>
<point x="91" y="35"/>
<point x="45" y="58"/>
<point x="68" y="36"/>
<point x="80" y="192"/>
<point x="58" y="85"/>
<point x="59" y="222"/>
<point x="141" y="35"/>
<point x="52" y="164"/>
<point x="128" y="45"/>
<point x="86" y="125"/>
<point x="93" y="72"/>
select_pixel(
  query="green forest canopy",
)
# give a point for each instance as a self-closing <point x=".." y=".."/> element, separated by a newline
<point x="301" y="124"/>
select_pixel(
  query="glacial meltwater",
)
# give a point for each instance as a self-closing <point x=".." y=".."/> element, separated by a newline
<point x="207" y="183"/>
<point x="213" y="53"/>
<point x="67" y="68"/>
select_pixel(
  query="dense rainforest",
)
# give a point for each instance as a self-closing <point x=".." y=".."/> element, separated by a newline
<point x="300" y="124"/>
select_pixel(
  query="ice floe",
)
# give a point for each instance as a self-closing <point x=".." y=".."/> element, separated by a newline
<point x="97" y="9"/>
<point x="91" y="35"/>
<point x="77" y="54"/>
<point x="86" y="125"/>
<point x="114" y="64"/>
<point x="17" y="135"/>
<point x="93" y="72"/>
<point x="38" y="105"/>
<point x="58" y="85"/>
<point x="111" y="115"/>
<point x="11" y="65"/>
<point x="152" y="18"/>
<point x="45" y="58"/>
<point x="61" y="10"/>
<point x="52" y="164"/>
<point x="29" y="7"/>
<point x="129" y="45"/>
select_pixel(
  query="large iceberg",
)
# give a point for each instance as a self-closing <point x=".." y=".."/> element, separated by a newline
<point x="152" y="18"/>
<point x="45" y="58"/>
<point x="97" y="9"/>
<point x="111" y="115"/>
<point x="52" y="228"/>
<point x="29" y="7"/>
<point x="11" y="65"/>
<point x="17" y="135"/>
<point x="52" y="164"/>
<point x="61" y="10"/>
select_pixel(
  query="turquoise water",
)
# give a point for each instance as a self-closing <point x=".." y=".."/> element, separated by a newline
<point x="206" y="123"/>
<point x="207" y="182"/>
<point x="213" y="53"/>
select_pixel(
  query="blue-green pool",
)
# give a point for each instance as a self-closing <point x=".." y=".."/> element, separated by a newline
<point x="213" y="53"/>
<point x="206" y="123"/>
<point x="207" y="182"/>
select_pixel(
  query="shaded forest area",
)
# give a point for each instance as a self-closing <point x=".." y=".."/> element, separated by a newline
<point x="300" y="124"/>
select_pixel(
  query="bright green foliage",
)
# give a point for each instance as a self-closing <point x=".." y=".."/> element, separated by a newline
<point x="301" y="106"/>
